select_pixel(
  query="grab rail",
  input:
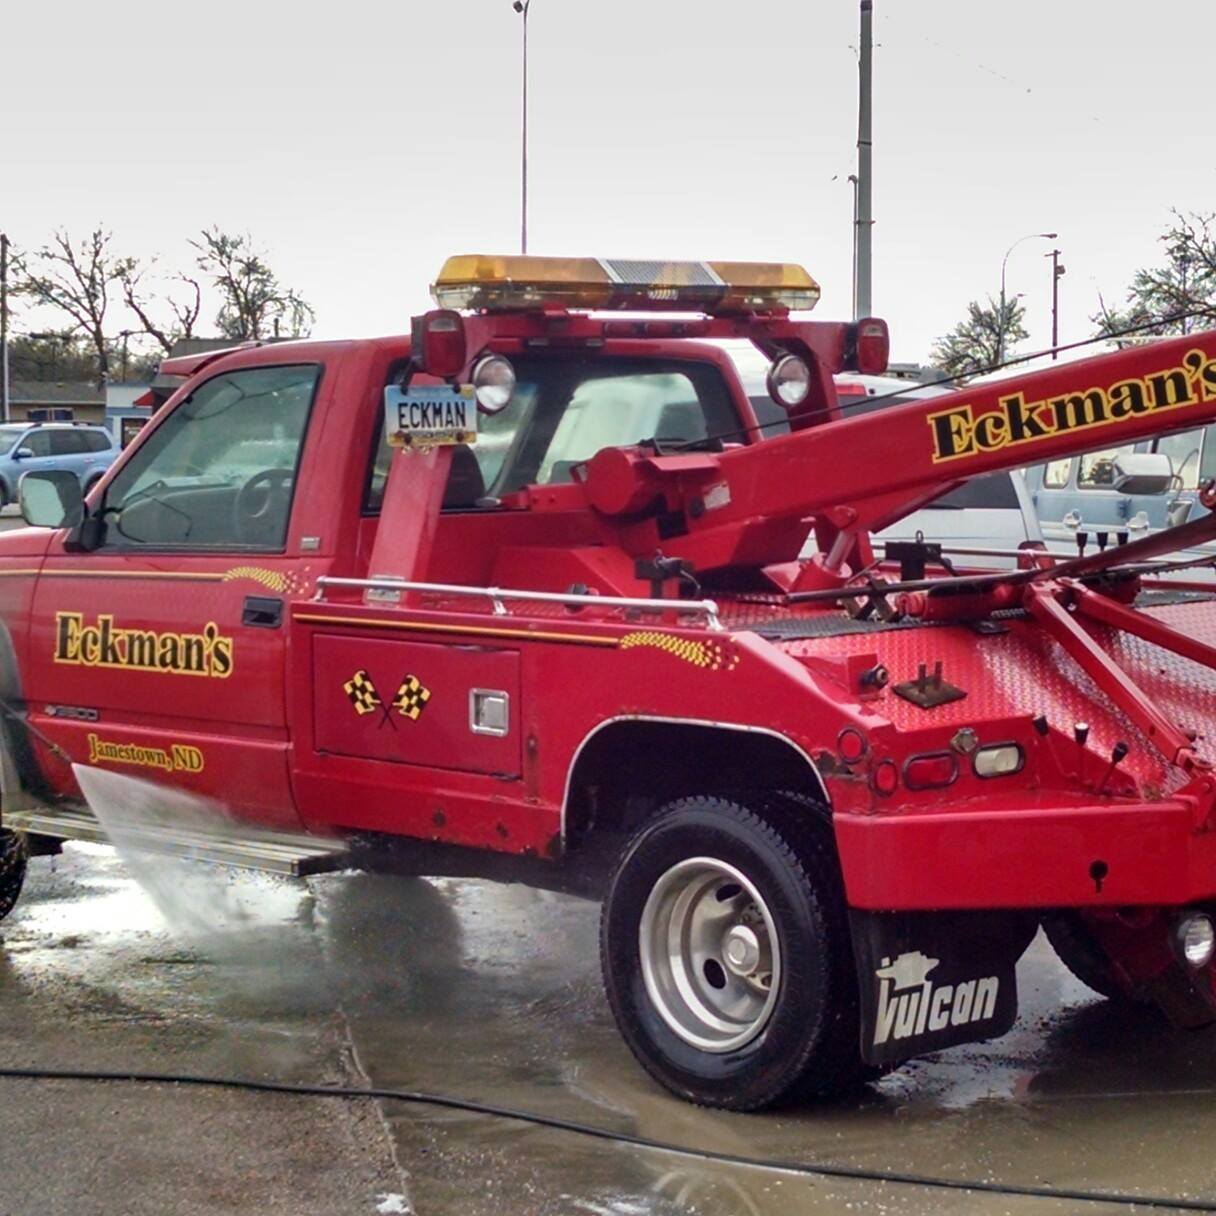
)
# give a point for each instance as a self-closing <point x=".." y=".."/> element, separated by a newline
<point x="497" y="595"/>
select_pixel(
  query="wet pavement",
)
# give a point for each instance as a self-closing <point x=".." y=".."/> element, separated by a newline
<point x="493" y="994"/>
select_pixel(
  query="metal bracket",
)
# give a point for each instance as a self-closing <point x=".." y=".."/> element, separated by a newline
<point x="929" y="691"/>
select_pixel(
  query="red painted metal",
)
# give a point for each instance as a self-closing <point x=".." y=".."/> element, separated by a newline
<point x="1043" y="604"/>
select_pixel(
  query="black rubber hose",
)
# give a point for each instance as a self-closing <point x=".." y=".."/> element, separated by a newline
<point x="421" y="1098"/>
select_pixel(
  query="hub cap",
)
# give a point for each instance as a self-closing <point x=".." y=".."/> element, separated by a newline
<point x="710" y="957"/>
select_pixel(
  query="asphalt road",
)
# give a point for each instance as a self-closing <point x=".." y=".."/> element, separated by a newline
<point x="492" y="993"/>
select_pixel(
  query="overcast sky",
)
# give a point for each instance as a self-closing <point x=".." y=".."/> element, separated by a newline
<point x="362" y="143"/>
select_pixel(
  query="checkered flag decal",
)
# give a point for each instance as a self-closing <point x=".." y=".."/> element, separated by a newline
<point x="411" y="698"/>
<point x="362" y="693"/>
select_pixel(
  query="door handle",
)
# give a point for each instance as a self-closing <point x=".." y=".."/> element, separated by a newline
<point x="262" y="612"/>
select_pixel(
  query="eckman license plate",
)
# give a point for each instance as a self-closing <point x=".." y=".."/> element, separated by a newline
<point x="435" y="414"/>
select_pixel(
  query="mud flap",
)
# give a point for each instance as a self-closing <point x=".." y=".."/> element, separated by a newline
<point x="929" y="980"/>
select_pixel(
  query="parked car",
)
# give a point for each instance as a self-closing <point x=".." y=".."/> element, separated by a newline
<point x="78" y="448"/>
<point x="1136" y="488"/>
<point x="994" y="512"/>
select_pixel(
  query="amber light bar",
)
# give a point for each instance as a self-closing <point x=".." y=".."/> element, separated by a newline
<point x="487" y="283"/>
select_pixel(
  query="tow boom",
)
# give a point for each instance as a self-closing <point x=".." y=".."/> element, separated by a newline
<point x="860" y="474"/>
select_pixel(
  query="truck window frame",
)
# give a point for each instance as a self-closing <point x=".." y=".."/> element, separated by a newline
<point x="122" y="545"/>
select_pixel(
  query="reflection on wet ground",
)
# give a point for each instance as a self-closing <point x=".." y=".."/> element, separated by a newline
<point x="493" y="993"/>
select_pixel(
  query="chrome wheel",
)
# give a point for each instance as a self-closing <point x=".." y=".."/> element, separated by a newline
<point x="710" y="956"/>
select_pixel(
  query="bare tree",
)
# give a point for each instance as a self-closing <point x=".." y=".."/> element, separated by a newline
<point x="184" y="300"/>
<point x="76" y="279"/>
<point x="255" y="304"/>
<point x="976" y="343"/>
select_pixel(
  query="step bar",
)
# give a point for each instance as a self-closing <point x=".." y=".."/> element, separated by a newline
<point x="246" y="848"/>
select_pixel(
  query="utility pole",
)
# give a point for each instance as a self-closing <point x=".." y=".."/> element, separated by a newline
<point x="1003" y="319"/>
<point x="863" y="221"/>
<point x="4" y="390"/>
<point x="1056" y="271"/>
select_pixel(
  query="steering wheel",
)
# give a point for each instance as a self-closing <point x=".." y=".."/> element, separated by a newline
<point x="261" y="503"/>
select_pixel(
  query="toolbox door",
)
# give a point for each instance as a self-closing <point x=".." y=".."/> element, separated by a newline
<point x="418" y="703"/>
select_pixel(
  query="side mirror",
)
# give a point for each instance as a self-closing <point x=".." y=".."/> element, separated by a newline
<point x="1143" y="473"/>
<point x="23" y="454"/>
<point x="50" y="498"/>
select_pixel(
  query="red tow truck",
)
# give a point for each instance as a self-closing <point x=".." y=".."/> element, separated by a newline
<point x="519" y="595"/>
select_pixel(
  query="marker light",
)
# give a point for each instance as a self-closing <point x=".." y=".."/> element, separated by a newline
<point x="489" y="282"/>
<point x="1195" y="939"/>
<point x="931" y="771"/>
<point x="998" y="760"/>
<point x="852" y="744"/>
<point x="789" y="381"/>
<point x="873" y="346"/>
<point x="438" y="343"/>
<point x="493" y="383"/>
<point x="885" y="777"/>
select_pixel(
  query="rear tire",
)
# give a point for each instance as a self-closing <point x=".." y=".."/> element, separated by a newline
<point x="1080" y="953"/>
<point x="726" y="954"/>
<point x="14" y="856"/>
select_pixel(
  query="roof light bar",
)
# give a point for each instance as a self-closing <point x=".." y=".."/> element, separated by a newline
<point x="479" y="282"/>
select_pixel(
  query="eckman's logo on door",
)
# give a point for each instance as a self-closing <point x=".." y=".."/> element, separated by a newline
<point x="910" y="1004"/>
<point x="206" y="653"/>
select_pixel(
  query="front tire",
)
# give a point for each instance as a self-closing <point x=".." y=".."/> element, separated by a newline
<point x="14" y="856"/>
<point x="726" y="954"/>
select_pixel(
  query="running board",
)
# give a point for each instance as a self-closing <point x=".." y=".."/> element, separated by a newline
<point x="252" y="849"/>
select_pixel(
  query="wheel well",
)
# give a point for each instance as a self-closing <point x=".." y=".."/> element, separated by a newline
<point x="626" y="770"/>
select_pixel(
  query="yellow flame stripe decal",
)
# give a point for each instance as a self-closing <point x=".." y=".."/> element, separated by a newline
<point x="710" y="655"/>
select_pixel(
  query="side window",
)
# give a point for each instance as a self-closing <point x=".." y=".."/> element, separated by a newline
<point x="992" y="490"/>
<point x="67" y="443"/>
<point x="38" y="442"/>
<point x="1097" y="469"/>
<point x="1057" y="473"/>
<point x="96" y="441"/>
<point x="219" y="472"/>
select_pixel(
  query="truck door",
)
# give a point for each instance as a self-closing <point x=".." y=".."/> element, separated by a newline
<point x="160" y="653"/>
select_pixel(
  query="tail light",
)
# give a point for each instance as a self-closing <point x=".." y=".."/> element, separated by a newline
<point x="873" y="346"/>
<point x="439" y="343"/>
<point x="931" y="771"/>
<point x="885" y="777"/>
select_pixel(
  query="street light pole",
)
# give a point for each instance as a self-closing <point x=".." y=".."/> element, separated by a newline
<point x="4" y="383"/>
<point x="521" y="7"/>
<point x="1000" y="337"/>
<point x="1056" y="272"/>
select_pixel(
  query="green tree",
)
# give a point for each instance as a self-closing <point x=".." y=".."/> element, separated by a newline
<point x="255" y="304"/>
<point x="974" y="345"/>
<point x="1184" y="282"/>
